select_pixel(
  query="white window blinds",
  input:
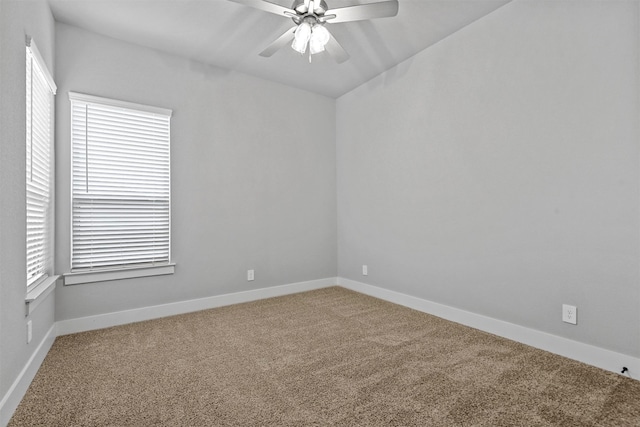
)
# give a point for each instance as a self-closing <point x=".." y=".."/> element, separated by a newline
<point x="39" y="146"/>
<point x="120" y="185"/>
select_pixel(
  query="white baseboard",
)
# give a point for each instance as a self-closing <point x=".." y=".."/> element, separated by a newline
<point x="71" y="326"/>
<point x="586" y="353"/>
<point x="16" y="392"/>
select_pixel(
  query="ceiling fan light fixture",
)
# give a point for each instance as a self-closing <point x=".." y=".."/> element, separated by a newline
<point x="301" y="37"/>
<point x="319" y="38"/>
<point x="315" y="48"/>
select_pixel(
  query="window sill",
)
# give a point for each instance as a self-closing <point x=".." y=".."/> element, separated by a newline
<point x="124" y="273"/>
<point x="38" y="294"/>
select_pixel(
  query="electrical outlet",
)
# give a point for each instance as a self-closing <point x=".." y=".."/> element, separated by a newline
<point x="365" y="270"/>
<point x="250" y="275"/>
<point x="29" y="331"/>
<point x="569" y="314"/>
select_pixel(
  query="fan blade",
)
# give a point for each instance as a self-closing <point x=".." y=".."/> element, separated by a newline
<point x="361" y="12"/>
<point x="336" y="50"/>
<point x="281" y="41"/>
<point x="267" y="6"/>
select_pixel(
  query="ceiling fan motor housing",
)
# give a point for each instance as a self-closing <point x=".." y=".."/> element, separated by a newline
<point x="320" y="7"/>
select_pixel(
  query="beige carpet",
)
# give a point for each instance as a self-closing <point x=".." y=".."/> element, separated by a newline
<point x="323" y="358"/>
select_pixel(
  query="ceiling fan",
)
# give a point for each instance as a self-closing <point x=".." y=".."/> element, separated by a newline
<point x="310" y="18"/>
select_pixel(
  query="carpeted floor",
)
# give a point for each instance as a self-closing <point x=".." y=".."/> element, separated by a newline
<point x="329" y="357"/>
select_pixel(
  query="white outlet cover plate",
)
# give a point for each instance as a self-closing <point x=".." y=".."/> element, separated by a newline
<point x="569" y="314"/>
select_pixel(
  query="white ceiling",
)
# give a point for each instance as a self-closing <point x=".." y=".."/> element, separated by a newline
<point x="230" y="35"/>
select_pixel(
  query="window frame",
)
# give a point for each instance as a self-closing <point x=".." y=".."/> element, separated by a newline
<point x="35" y="66"/>
<point x="122" y="271"/>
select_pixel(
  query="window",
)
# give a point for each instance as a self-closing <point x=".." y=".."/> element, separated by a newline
<point x="40" y="90"/>
<point x="120" y="185"/>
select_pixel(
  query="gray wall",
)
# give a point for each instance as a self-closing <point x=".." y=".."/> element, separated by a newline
<point x="497" y="171"/>
<point x="18" y="19"/>
<point x="252" y="187"/>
